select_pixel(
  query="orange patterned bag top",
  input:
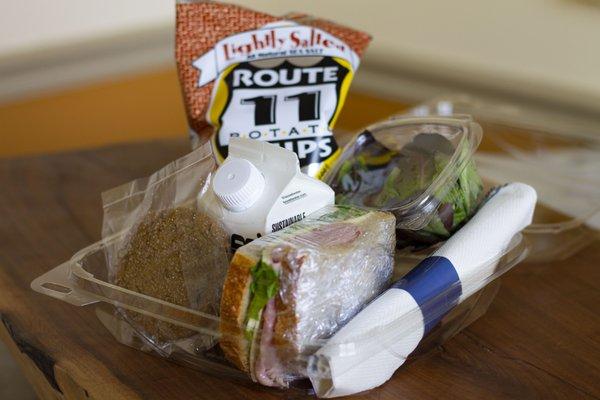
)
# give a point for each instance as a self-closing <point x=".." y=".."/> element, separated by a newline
<point x="281" y="79"/>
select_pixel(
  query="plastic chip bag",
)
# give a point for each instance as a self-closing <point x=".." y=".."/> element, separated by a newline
<point x="280" y="79"/>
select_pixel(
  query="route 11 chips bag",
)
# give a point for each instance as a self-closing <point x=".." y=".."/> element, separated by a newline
<point x="279" y="79"/>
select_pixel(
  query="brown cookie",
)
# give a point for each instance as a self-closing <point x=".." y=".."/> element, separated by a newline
<point x="178" y="255"/>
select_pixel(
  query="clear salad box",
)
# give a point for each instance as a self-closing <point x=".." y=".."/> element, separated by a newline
<point x="420" y="169"/>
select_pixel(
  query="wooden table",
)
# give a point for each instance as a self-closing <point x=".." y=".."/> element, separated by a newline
<point x="540" y="338"/>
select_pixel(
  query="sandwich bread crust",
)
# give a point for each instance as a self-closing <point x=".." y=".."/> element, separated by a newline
<point x="234" y="304"/>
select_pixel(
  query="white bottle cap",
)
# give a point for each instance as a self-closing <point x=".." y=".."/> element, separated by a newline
<point x="238" y="184"/>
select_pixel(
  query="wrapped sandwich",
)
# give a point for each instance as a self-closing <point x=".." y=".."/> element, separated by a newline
<point x="287" y="291"/>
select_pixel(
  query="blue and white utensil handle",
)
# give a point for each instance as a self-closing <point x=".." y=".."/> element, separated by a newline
<point x="365" y="353"/>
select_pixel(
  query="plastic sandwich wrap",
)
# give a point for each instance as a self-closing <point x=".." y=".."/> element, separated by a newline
<point x="308" y="280"/>
<point x="167" y="248"/>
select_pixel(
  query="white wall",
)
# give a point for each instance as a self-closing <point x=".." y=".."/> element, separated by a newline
<point x="541" y="50"/>
<point x="29" y="25"/>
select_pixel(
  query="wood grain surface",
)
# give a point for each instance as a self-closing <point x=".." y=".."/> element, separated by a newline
<point x="540" y="338"/>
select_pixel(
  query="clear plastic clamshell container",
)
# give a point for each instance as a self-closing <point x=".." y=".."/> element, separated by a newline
<point x="86" y="280"/>
<point x="562" y="164"/>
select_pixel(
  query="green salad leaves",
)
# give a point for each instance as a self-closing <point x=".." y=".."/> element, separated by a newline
<point x="264" y="286"/>
<point x="375" y="176"/>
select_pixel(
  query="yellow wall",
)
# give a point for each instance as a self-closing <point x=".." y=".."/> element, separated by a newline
<point x="145" y="106"/>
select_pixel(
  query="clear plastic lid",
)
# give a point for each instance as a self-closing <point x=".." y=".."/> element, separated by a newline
<point x="562" y="165"/>
<point x="420" y="169"/>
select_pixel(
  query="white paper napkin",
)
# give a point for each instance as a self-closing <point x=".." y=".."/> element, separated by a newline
<point x="365" y="353"/>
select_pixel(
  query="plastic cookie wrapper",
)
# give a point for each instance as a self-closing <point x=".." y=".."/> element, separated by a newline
<point x="179" y="233"/>
<point x="559" y="158"/>
<point x="171" y="248"/>
<point x="249" y="74"/>
<point x="419" y="168"/>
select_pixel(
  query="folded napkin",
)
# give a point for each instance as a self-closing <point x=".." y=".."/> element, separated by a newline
<point x="366" y="352"/>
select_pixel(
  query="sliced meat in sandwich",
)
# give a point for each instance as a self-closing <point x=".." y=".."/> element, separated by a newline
<point x="287" y="291"/>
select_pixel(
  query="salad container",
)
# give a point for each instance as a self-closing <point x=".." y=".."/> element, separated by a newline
<point x="420" y="169"/>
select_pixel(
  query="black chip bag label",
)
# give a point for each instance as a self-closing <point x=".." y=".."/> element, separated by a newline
<point x="284" y="83"/>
